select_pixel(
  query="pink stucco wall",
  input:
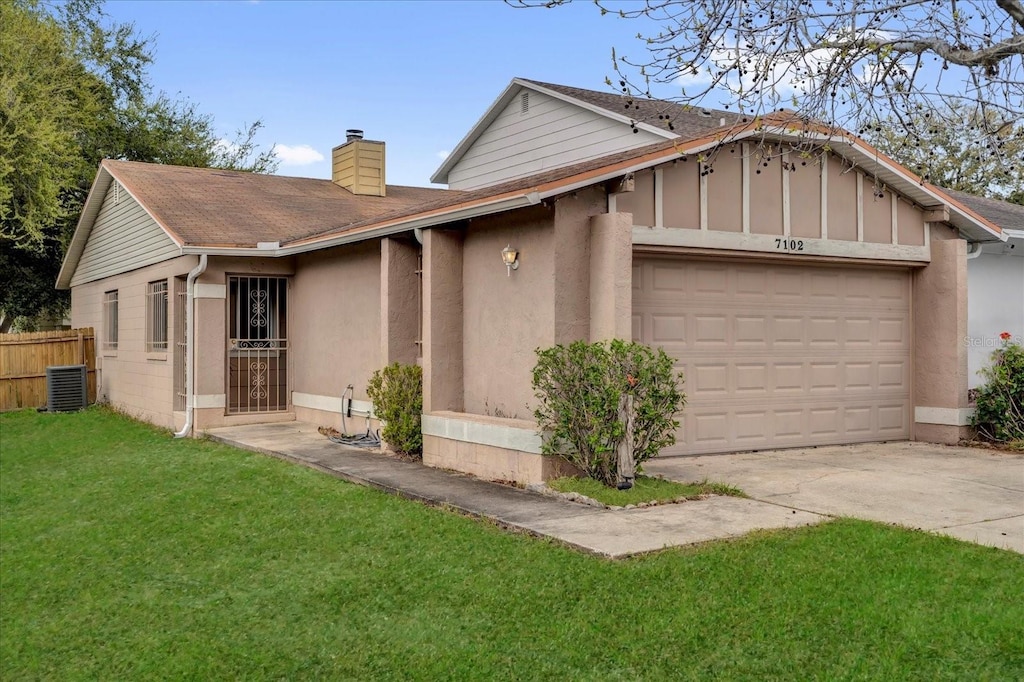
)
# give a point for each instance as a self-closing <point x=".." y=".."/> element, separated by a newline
<point x="138" y="382"/>
<point x="505" y="318"/>
<point x="335" y="319"/>
<point x="940" y="327"/>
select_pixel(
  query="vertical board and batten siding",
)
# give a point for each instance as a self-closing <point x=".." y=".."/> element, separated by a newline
<point x="25" y="357"/>
<point x="124" y="237"/>
<point x="747" y="203"/>
<point x="549" y="134"/>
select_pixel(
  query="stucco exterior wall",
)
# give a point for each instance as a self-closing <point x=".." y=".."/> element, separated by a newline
<point x="211" y="317"/>
<point x="995" y="304"/>
<point x="505" y="318"/>
<point x="940" y="326"/>
<point x="335" y="320"/>
<point x="573" y="237"/>
<point x="133" y="380"/>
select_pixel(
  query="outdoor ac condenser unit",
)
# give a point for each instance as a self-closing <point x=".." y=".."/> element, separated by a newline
<point x="65" y="388"/>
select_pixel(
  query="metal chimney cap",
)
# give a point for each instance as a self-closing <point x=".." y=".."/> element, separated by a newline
<point x="353" y="134"/>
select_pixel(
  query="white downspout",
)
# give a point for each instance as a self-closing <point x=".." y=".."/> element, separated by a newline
<point x="190" y="338"/>
<point x="973" y="250"/>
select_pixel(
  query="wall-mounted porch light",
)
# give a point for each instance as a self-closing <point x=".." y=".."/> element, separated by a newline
<point x="510" y="257"/>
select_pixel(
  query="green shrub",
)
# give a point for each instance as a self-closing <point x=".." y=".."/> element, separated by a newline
<point x="578" y="388"/>
<point x="999" y="413"/>
<point x="397" y="395"/>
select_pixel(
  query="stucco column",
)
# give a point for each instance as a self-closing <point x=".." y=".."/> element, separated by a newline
<point x="611" y="276"/>
<point x="940" y="331"/>
<point x="442" y="321"/>
<point x="399" y="301"/>
<point x="571" y="242"/>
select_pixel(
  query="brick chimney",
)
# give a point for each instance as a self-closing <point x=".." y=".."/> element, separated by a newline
<point x="358" y="165"/>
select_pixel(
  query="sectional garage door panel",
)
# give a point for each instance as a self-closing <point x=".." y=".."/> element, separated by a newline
<point x="780" y="355"/>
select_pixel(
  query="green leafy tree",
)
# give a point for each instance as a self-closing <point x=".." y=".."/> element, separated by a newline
<point x="955" y="156"/>
<point x="73" y="91"/>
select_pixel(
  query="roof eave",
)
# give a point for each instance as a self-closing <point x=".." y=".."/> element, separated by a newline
<point x="87" y="220"/>
<point x="90" y="209"/>
<point x="969" y="222"/>
<point x="441" y="174"/>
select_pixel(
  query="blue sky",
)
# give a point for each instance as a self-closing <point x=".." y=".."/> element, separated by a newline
<point x="417" y="75"/>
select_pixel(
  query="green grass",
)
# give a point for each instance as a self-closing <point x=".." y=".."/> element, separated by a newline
<point x="127" y="555"/>
<point x="645" y="489"/>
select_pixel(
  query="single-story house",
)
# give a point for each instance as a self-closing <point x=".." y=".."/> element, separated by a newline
<point x="995" y="283"/>
<point x="810" y="299"/>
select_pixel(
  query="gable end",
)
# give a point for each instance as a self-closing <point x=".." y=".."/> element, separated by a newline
<point x="123" y="237"/>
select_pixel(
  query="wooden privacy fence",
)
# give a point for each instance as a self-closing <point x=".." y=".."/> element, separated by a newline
<point x="25" y="357"/>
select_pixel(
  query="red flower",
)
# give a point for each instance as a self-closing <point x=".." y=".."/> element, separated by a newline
<point x="1005" y="336"/>
<point x="631" y="379"/>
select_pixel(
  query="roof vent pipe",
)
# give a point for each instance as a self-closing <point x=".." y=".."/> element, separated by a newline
<point x="353" y="134"/>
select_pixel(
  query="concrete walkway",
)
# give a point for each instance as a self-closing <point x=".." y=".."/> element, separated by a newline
<point x="968" y="493"/>
<point x="613" y="534"/>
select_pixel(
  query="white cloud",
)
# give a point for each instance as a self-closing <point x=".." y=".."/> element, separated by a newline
<point x="443" y="154"/>
<point x="298" y="155"/>
<point x="223" y="146"/>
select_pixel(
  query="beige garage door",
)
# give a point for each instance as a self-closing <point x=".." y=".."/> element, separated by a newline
<point x="779" y="355"/>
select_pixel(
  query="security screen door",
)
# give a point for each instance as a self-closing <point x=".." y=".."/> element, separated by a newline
<point x="257" y="344"/>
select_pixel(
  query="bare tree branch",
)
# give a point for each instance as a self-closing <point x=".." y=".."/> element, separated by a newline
<point x="845" y="63"/>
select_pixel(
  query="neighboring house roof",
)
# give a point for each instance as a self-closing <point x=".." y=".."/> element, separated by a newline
<point x="1004" y="214"/>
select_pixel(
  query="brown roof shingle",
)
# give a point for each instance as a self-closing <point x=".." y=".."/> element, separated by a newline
<point x="1004" y="214"/>
<point x="687" y="122"/>
<point x="211" y="207"/>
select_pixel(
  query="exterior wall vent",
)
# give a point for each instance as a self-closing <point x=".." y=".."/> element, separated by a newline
<point x="524" y="103"/>
<point x="65" y="388"/>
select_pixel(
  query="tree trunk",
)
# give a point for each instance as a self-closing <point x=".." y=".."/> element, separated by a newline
<point x="625" y="463"/>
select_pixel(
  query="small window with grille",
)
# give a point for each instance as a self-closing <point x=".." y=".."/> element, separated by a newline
<point x="156" y="316"/>
<point x="109" y="320"/>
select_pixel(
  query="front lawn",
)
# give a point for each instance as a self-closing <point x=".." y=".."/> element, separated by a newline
<point x="127" y="555"/>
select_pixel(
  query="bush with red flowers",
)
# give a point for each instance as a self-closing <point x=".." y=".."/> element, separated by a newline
<point x="999" y="415"/>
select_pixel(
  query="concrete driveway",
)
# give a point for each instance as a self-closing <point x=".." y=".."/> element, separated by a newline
<point x="968" y="493"/>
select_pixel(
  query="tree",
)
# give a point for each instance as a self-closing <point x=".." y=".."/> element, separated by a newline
<point x="954" y="157"/>
<point x="844" y="63"/>
<point x="73" y="91"/>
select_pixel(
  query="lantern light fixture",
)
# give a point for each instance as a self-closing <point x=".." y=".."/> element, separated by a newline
<point x="510" y="257"/>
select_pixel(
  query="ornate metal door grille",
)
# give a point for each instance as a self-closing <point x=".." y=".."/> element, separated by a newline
<point x="257" y="345"/>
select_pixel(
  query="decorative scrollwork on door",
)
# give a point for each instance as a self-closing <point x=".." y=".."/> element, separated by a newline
<point x="258" y="307"/>
<point x="258" y="380"/>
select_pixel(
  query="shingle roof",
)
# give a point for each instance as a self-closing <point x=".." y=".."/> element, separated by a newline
<point x="210" y="207"/>
<point x="450" y="198"/>
<point x="687" y="122"/>
<point x="1004" y="214"/>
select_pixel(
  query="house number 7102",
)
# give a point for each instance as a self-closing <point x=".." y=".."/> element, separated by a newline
<point x="789" y="244"/>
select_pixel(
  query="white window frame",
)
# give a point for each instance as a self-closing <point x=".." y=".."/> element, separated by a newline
<point x="156" y="316"/>
<point x="110" y="320"/>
